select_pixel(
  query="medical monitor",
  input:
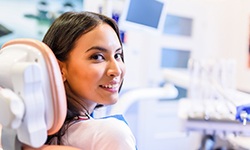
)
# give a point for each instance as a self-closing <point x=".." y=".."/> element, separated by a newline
<point x="146" y="15"/>
<point x="178" y="25"/>
<point x="174" y="58"/>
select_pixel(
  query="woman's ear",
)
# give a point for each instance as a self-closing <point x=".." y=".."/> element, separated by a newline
<point x="62" y="69"/>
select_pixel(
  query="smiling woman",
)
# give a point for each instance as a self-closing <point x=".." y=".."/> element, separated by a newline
<point x="89" y="51"/>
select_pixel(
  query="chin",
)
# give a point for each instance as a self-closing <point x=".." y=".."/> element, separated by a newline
<point x="109" y="102"/>
<point x="113" y="101"/>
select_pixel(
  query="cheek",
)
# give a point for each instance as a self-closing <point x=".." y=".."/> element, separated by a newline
<point x="74" y="71"/>
<point x="84" y="74"/>
<point x="75" y="75"/>
<point x="82" y="80"/>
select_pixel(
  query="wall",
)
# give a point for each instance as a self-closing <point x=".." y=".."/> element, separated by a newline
<point x="225" y="35"/>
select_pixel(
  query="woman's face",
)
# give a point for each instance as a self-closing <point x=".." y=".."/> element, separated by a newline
<point x="95" y="70"/>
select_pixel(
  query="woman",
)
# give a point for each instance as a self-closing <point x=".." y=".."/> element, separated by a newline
<point x="90" y="55"/>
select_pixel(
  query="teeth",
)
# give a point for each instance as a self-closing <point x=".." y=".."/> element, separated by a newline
<point x="110" y="86"/>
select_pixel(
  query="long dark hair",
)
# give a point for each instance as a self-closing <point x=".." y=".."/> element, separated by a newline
<point x="61" y="37"/>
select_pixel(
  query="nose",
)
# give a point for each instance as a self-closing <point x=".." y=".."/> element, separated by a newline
<point x="115" y="68"/>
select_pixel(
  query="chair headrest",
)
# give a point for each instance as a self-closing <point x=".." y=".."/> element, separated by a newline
<point x="30" y="70"/>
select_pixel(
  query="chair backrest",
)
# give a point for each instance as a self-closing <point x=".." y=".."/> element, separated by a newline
<point x="30" y="74"/>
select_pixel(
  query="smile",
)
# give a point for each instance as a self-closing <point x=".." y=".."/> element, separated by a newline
<point x="110" y="86"/>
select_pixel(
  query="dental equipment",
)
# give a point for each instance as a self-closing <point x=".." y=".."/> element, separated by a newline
<point x="213" y="106"/>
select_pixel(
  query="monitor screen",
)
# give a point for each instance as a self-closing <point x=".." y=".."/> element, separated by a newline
<point x="143" y="14"/>
<point x="177" y="25"/>
<point x="174" y="58"/>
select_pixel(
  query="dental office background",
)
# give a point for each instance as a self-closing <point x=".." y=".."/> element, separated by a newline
<point x="157" y="35"/>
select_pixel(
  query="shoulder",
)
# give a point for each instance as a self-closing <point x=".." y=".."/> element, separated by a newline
<point x="109" y="132"/>
<point x="109" y="127"/>
<point x="114" y="128"/>
<point x="115" y="134"/>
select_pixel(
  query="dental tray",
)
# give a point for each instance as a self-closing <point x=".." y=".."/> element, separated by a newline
<point x="210" y="116"/>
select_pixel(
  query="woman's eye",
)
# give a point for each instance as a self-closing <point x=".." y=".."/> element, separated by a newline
<point x="118" y="56"/>
<point x="97" y="57"/>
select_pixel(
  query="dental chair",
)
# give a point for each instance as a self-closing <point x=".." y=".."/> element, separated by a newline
<point x="32" y="96"/>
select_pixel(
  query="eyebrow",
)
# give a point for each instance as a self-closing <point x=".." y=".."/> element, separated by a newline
<point x="101" y="48"/>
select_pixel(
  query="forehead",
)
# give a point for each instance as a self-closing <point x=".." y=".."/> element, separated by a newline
<point x="102" y="35"/>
